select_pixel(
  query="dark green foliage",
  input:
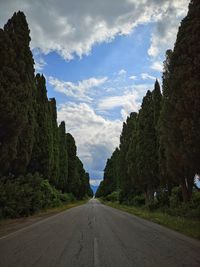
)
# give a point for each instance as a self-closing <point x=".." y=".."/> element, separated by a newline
<point x="111" y="176"/>
<point x="114" y="197"/>
<point x="78" y="179"/>
<point x="125" y="140"/>
<point x="72" y="161"/>
<point x="100" y="190"/>
<point x="25" y="195"/>
<point x="131" y="185"/>
<point x="85" y="189"/>
<point x="160" y="147"/>
<point x="181" y="107"/>
<point x="110" y="182"/>
<point x="162" y="197"/>
<point x="138" y="200"/>
<point x="42" y="153"/>
<point x="16" y="102"/>
<point x="63" y="159"/>
<point x="147" y="153"/>
<point x="54" y="145"/>
<point x="30" y="139"/>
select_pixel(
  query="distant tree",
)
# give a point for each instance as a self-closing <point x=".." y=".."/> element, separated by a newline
<point x="89" y="191"/>
<point x="54" y="144"/>
<point x="63" y="159"/>
<point x="72" y="182"/>
<point x="133" y="185"/>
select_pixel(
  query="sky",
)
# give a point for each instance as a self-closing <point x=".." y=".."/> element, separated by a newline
<point x="99" y="58"/>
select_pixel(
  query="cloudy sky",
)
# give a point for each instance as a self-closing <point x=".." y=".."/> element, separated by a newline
<point x="99" y="58"/>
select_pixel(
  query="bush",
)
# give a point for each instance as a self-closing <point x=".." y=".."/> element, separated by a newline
<point x="153" y="205"/>
<point x="138" y="200"/>
<point x="189" y="209"/>
<point x="176" y="197"/>
<point x="113" y="197"/>
<point x="25" y="195"/>
<point x="67" y="198"/>
<point x="162" y="198"/>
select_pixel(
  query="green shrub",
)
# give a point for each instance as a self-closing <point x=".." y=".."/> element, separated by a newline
<point x="196" y="200"/>
<point x="176" y="197"/>
<point x="113" y="197"/>
<point x="67" y="198"/>
<point x="25" y="195"/>
<point x="189" y="209"/>
<point x="152" y="205"/>
<point x="138" y="200"/>
<point x="162" y="198"/>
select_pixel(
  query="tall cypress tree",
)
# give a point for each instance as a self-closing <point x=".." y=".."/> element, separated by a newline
<point x="17" y="90"/>
<point x="111" y="174"/>
<point x="166" y="178"/>
<point x="125" y="140"/>
<point x="182" y="107"/>
<point x="40" y="158"/>
<point x="72" y="163"/>
<point x="63" y="158"/>
<point x="133" y="186"/>
<point x="54" y="144"/>
<point x="147" y="147"/>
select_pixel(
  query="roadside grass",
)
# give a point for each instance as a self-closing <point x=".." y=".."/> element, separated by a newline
<point x="189" y="227"/>
<point x="10" y="225"/>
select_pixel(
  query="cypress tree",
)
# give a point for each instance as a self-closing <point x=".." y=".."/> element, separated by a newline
<point x="89" y="191"/>
<point x="17" y="90"/>
<point x="133" y="185"/>
<point x="182" y="107"/>
<point x="40" y="158"/>
<point x="166" y="178"/>
<point x="125" y="140"/>
<point x="111" y="174"/>
<point x="63" y="158"/>
<point x="72" y="161"/>
<point x="147" y="147"/>
<point x="54" y="144"/>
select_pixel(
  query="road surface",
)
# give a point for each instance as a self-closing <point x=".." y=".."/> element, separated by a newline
<point x="94" y="235"/>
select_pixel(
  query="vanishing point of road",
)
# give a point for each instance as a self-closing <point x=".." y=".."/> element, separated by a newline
<point x="95" y="235"/>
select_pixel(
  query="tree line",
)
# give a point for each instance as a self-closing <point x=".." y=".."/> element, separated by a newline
<point x="32" y="146"/>
<point x="159" y="151"/>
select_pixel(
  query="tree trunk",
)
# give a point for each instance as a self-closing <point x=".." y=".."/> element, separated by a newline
<point x="185" y="192"/>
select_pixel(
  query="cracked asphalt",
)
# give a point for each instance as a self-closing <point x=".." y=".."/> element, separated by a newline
<point x="95" y="235"/>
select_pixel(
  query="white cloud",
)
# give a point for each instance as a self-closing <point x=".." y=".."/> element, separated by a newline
<point x="128" y="103"/>
<point x="122" y="72"/>
<point x="133" y="77"/>
<point x="146" y="76"/>
<point x="77" y="90"/>
<point x="39" y="64"/>
<point x="73" y="27"/>
<point x="157" y="66"/>
<point x="96" y="137"/>
<point x="165" y="31"/>
<point x="95" y="182"/>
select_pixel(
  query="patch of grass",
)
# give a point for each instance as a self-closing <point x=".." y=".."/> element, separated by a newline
<point x="189" y="227"/>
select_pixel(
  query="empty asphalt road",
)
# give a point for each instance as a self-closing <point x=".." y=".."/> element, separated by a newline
<point x="96" y="235"/>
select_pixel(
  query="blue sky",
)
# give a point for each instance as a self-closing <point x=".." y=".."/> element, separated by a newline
<point x="99" y="59"/>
